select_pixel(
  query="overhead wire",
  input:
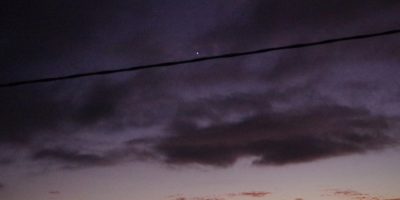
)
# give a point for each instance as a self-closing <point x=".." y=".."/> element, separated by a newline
<point x="197" y="59"/>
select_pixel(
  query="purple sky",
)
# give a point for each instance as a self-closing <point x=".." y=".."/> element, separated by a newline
<point x="313" y="123"/>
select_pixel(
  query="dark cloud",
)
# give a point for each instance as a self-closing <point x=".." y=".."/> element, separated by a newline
<point x="219" y="130"/>
<point x="278" y="138"/>
<point x="1" y="186"/>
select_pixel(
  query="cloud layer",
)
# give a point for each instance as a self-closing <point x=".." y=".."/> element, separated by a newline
<point x="282" y="108"/>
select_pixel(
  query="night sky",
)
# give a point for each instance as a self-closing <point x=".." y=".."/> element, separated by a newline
<point x="316" y="123"/>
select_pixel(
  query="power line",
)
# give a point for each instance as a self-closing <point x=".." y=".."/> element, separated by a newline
<point x="193" y="60"/>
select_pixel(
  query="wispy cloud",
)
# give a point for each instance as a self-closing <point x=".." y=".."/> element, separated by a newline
<point x="355" y="195"/>
<point x="74" y="159"/>
<point x="54" y="192"/>
<point x="252" y="194"/>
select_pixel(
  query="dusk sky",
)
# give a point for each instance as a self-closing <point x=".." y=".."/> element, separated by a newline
<point x="315" y="123"/>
